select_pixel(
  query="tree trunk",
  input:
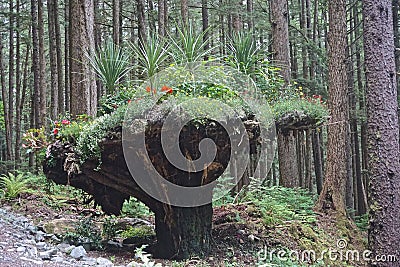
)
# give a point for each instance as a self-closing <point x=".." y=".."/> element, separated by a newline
<point x="116" y="15"/>
<point x="204" y="15"/>
<point x="17" y="155"/>
<point x="5" y="106"/>
<point x="161" y="19"/>
<point x="81" y="37"/>
<point x="67" y="59"/>
<point x="35" y="64"/>
<point x="383" y="130"/>
<point x="280" y="37"/>
<point x="141" y="21"/>
<point x="151" y="17"/>
<point x="333" y="191"/>
<point x="42" y="68"/>
<point x="288" y="169"/>
<point x="20" y="107"/>
<point x="318" y="158"/>
<point x="53" y="60"/>
<point x="396" y="7"/>
<point x="308" y="161"/>
<point x="185" y="13"/>
<point x="236" y="20"/>
<point x="250" y="15"/>
<point x="61" y="93"/>
<point x="11" y="76"/>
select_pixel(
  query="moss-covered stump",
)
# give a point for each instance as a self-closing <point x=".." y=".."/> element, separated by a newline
<point x="181" y="232"/>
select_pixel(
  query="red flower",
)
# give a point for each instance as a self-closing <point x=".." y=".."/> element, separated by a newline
<point x="55" y="131"/>
<point x="148" y="89"/>
<point x="169" y="91"/>
<point x="66" y="122"/>
<point x="164" y="88"/>
<point x="129" y="101"/>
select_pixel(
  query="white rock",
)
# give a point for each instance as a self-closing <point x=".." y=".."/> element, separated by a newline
<point x="21" y="249"/>
<point x="104" y="262"/>
<point x="78" y="253"/>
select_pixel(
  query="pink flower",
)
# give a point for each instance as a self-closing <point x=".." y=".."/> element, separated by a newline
<point x="66" y="122"/>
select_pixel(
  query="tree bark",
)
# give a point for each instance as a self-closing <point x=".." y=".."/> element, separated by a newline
<point x="42" y="68"/>
<point x="185" y="12"/>
<point x="161" y="18"/>
<point x="141" y="21"/>
<point x="5" y="106"/>
<point x="333" y="191"/>
<point x="53" y="61"/>
<point x="11" y="72"/>
<point x="67" y="92"/>
<point x="288" y="169"/>
<point x="81" y="37"/>
<point x="35" y="65"/>
<point x="116" y="15"/>
<point x="383" y="130"/>
<point x="318" y="158"/>
<point x="280" y="37"/>
<point x="60" y="81"/>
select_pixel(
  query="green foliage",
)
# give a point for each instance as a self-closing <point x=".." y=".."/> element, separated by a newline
<point x="135" y="208"/>
<point x="110" y="228"/>
<point x="86" y="232"/>
<point x="151" y="55"/>
<point x="278" y="204"/>
<point x="14" y="185"/>
<point x="111" y="64"/>
<point x="362" y="222"/>
<point x="189" y="46"/>
<point x="87" y="145"/>
<point x="310" y="107"/>
<point x="140" y="232"/>
<point x="111" y="102"/>
<point x="244" y="54"/>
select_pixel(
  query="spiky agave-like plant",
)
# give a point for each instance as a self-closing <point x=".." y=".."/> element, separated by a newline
<point x="110" y="64"/>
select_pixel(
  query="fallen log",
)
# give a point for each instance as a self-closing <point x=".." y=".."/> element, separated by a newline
<point x="182" y="232"/>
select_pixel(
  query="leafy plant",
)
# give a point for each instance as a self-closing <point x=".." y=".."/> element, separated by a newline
<point x="312" y="107"/>
<point x="145" y="258"/>
<point x="190" y="46"/>
<point x="135" y="208"/>
<point x="111" y="64"/>
<point x="85" y="232"/>
<point x="110" y="102"/>
<point x="244" y="53"/>
<point x="14" y="185"/>
<point x="279" y="204"/>
<point x="110" y="228"/>
<point x="144" y="231"/>
<point x="151" y="55"/>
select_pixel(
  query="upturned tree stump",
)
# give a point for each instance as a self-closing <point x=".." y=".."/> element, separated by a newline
<point x="181" y="232"/>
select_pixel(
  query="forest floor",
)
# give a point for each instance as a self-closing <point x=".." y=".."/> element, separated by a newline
<point x="243" y="235"/>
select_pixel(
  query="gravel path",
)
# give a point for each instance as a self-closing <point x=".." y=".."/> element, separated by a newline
<point x="23" y="244"/>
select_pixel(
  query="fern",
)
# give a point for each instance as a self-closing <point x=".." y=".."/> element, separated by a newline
<point x="13" y="186"/>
